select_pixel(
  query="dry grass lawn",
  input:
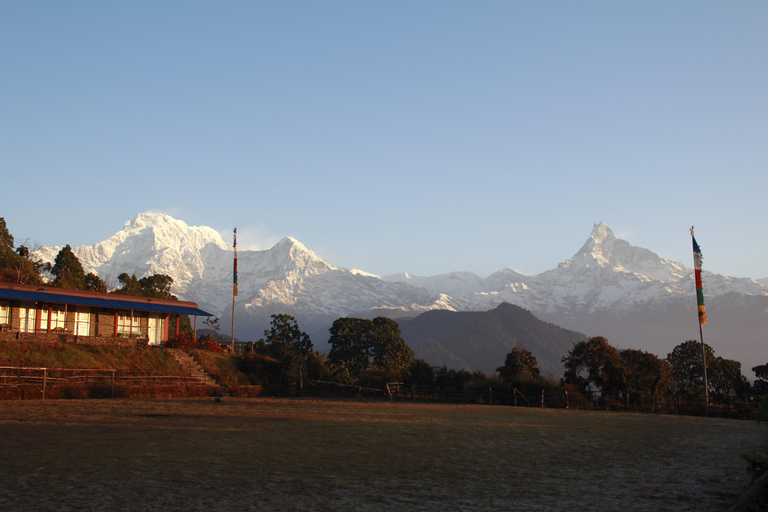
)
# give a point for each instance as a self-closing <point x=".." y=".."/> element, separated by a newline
<point x="271" y="454"/>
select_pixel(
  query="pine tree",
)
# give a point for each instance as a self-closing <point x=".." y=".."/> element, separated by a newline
<point x="68" y="271"/>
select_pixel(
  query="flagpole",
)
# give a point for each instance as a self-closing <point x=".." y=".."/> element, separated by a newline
<point x="701" y="313"/>
<point x="234" y="291"/>
<point x="704" y="358"/>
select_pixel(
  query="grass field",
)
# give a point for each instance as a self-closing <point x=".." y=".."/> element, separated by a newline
<point x="270" y="454"/>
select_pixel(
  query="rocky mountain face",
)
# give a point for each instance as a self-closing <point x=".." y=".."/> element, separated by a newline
<point x="628" y="294"/>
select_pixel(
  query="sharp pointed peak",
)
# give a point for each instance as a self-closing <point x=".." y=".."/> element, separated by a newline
<point x="601" y="232"/>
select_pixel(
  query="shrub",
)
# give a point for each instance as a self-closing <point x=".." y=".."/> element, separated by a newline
<point x="211" y="345"/>
<point x="183" y="341"/>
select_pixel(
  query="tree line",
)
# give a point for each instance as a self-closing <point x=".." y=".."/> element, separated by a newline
<point x="372" y="353"/>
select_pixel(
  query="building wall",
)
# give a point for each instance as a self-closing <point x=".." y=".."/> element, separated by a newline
<point x="71" y="338"/>
<point x="104" y="325"/>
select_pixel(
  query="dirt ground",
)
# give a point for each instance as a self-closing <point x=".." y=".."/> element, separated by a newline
<point x="271" y="454"/>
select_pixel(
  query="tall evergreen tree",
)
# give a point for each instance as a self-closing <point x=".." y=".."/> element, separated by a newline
<point x="6" y="239"/>
<point x="67" y="270"/>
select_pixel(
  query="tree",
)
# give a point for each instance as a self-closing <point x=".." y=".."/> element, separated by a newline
<point x="420" y="373"/>
<point x="371" y="351"/>
<point x="685" y="361"/>
<point x="391" y="356"/>
<point x="67" y="270"/>
<point x="94" y="283"/>
<point x="213" y="325"/>
<point x="287" y="343"/>
<point x="6" y="238"/>
<point x="18" y="266"/>
<point x="645" y="372"/>
<point x="284" y="336"/>
<point x="761" y="379"/>
<point x="520" y="363"/>
<point x="351" y="345"/>
<point x="129" y="285"/>
<point x="725" y="379"/>
<point x="157" y="286"/>
<point x="594" y="365"/>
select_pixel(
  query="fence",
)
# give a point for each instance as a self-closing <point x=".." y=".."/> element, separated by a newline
<point x="42" y="380"/>
<point x="731" y="407"/>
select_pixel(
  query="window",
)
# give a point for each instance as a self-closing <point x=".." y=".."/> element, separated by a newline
<point x="57" y="319"/>
<point x="83" y="322"/>
<point x="27" y="319"/>
<point x="125" y="326"/>
<point x="5" y="315"/>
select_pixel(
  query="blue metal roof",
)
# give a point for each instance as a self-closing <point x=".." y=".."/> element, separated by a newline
<point x="100" y="303"/>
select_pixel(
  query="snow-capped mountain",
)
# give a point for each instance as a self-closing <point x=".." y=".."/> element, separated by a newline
<point x="459" y="283"/>
<point x="629" y="294"/>
<point x="606" y="274"/>
<point x="287" y="278"/>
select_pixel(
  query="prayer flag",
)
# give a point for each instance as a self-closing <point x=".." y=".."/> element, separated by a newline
<point x="234" y="273"/>
<point x="699" y="287"/>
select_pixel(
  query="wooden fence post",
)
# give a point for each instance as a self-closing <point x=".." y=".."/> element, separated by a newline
<point x="45" y="378"/>
<point x="542" y="398"/>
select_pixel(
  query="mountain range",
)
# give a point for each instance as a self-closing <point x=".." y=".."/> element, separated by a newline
<point x="630" y="295"/>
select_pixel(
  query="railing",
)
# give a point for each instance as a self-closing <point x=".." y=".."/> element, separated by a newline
<point x="46" y="378"/>
<point x="727" y="407"/>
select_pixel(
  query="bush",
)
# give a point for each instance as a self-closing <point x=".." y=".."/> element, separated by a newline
<point x="183" y="341"/>
<point x="186" y="342"/>
<point x="211" y="345"/>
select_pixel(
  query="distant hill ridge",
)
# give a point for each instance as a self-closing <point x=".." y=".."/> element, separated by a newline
<point x="481" y="340"/>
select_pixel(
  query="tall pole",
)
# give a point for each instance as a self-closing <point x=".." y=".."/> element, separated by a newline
<point x="704" y="358"/>
<point x="234" y="292"/>
<point x="701" y="312"/>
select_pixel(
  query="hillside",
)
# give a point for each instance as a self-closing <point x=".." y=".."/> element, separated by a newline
<point x="481" y="340"/>
<point x="67" y="355"/>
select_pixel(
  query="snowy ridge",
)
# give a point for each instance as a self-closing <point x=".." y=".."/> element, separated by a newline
<point x="606" y="274"/>
<point x="150" y="243"/>
<point x="608" y="287"/>
<point x="458" y="283"/>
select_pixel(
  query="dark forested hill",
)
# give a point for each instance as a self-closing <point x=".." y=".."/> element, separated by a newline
<point x="481" y="340"/>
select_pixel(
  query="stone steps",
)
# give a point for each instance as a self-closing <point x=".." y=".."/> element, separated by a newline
<point x="191" y="367"/>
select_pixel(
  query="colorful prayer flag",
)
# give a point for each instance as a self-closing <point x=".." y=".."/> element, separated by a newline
<point x="234" y="273"/>
<point x="699" y="286"/>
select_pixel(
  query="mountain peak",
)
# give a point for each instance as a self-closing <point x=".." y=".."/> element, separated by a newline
<point x="598" y="247"/>
<point x="601" y="233"/>
<point x="290" y="249"/>
<point x="150" y="219"/>
<point x="603" y="249"/>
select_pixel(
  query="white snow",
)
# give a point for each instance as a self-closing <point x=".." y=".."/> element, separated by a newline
<point x="607" y="273"/>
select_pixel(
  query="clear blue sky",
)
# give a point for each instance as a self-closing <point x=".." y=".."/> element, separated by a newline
<point x="418" y="136"/>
